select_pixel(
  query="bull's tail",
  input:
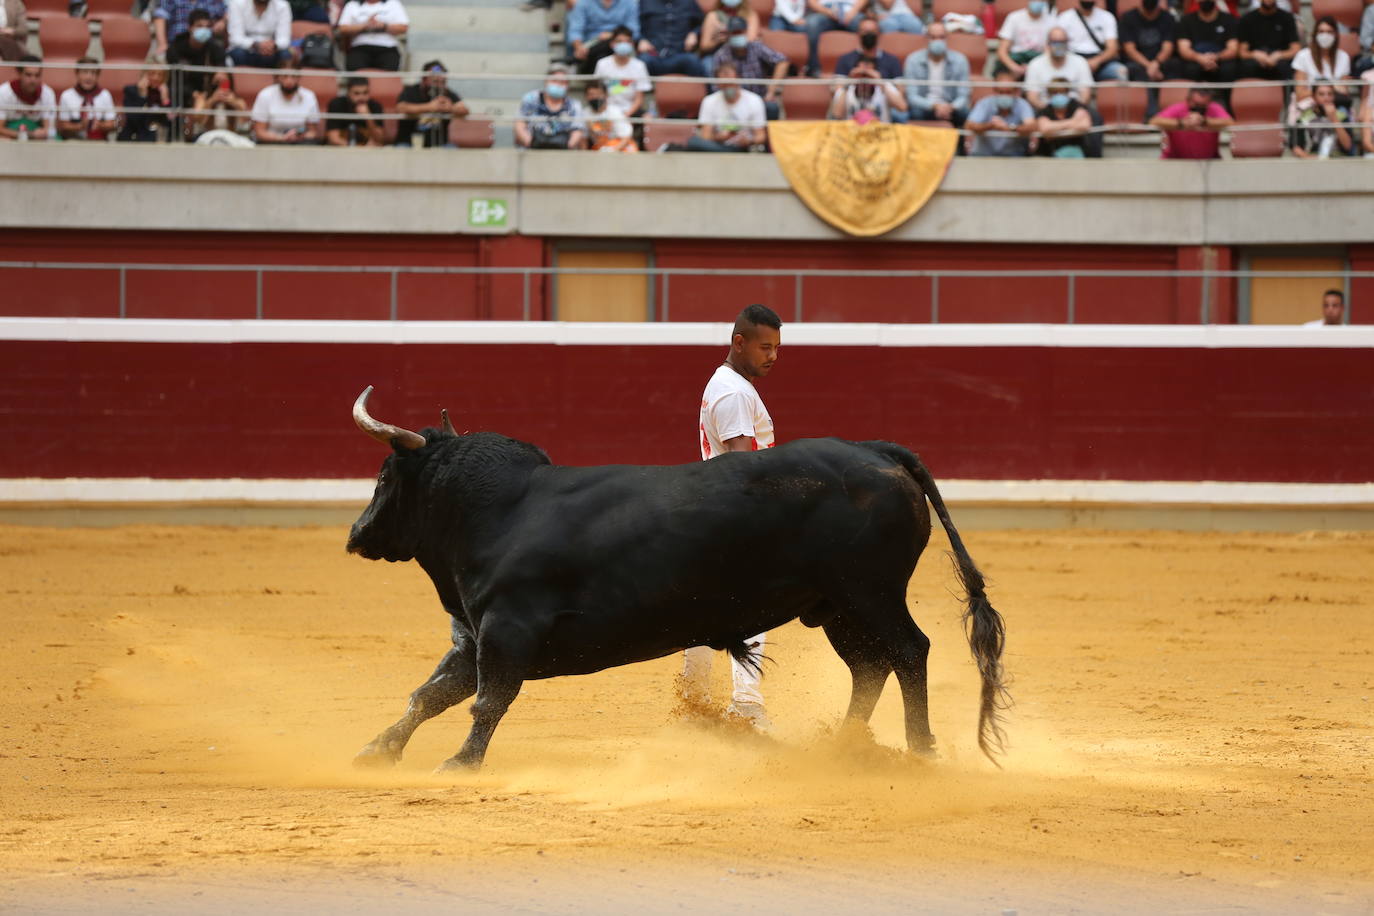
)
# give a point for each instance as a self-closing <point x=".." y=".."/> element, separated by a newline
<point x="748" y="655"/>
<point x="983" y="626"/>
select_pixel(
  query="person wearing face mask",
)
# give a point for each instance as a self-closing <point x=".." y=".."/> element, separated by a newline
<point x="1207" y="45"/>
<point x="866" y="102"/>
<point x="1092" y="34"/>
<point x="889" y="65"/>
<point x="1147" y="44"/>
<point x="625" y="77"/>
<point x="1268" y="42"/>
<point x="86" y="112"/>
<point x="732" y="119"/>
<point x="1063" y="123"/>
<point x="1023" y="36"/>
<point x="608" y="131"/>
<point x="938" y="81"/>
<point x="197" y="47"/>
<point x="1058" y="62"/>
<point x="1320" y="60"/>
<point x="548" y="118"/>
<point x="715" y="28"/>
<point x="590" y="25"/>
<point x="1002" y="123"/>
<point x="829" y="16"/>
<point x="172" y="18"/>
<point x="753" y="60"/>
<point x="286" y="113"/>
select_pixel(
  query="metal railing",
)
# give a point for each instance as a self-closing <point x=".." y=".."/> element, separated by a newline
<point x="660" y="280"/>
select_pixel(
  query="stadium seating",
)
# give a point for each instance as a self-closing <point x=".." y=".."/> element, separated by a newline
<point x="326" y="86"/>
<point x="383" y="85"/>
<point x="471" y="134"/>
<point x="1123" y="105"/>
<point x="764" y="8"/>
<point x="833" y="46"/>
<point x="980" y="90"/>
<point x="1125" y="6"/>
<point x="807" y="101"/>
<point x="43" y="9"/>
<point x="678" y="98"/>
<point x="301" y="28"/>
<point x="64" y="39"/>
<point x="1350" y="44"/>
<point x="974" y="47"/>
<point x="1172" y="91"/>
<point x="962" y="7"/>
<point x="248" y="82"/>
<point x="125" y="39"/>
<point x="1002" y="7"/>
<point x="63" y="76"/>
<point x="1253" y="144"/>
<point x="1257" y="102"/>
<point x="900" y="44"/>
<point x="109" y="9"/>
<point x="1346" y="12"/>
<point x="660" y="134"/>
<point x="791" y="45"/>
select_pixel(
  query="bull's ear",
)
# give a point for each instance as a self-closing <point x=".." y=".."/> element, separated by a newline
<point x="448" y="424"/>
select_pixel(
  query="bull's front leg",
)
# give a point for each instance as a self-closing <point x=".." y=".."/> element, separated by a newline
<point x="504" y="651"/>
<point x="453" y="681"/>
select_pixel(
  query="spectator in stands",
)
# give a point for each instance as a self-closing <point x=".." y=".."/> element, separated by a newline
<point x="259" y="32"/>
<point x="755" y="60"/>
<point x="668" y="36"/>
<point x="218" y="107"/>
<point x="864" y="102"/>
<point x="715" y="28"/>
<point x="548" y="118"/>
<point x="86" y="111"/>
<point x="172" y="19"/>
<point x="14" y="29"/>
<point x="889" y="65"/>
<point x="591" y="26"/>
<point x="197" y="47"/>
<point x="1366" y="58"/>
<point x="1192" y="127"/>
<point x="366" y="128"/>
<point x="309" y="11"/>
<point x="1063" y="123"/>
<point x="1367" y="118"/>
<point x="732" y="119"/>
<point x="1058" y="62"/>
<point x="1207" y="45"/>
<point x="1002" y="123"/>
<point x="1320" y="131"/>
<point x="896" y="16"/>
<point x="1023" y="36"/>
<point x="1092" y="35"/>
<point x="152" y="99"/>
<point x="939" y="88"/>
<point x="608" y="130"/>
<point x="428" y="106"/>
<point x="788" y="16"/>
<point x="625" y="77"/>
<point x="28" y="108"/>
<point x="372" y="26"/>
<point x="1147" y="42"/>
<point x="286" y="112"/>
<point x="1320" y="60"/>
<point x="829" y="16"/>
<point x="1333" y="310"/>
<point x="1268" y="42"/>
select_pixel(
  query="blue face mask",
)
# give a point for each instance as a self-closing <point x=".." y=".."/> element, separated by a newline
<point x="936" y="47"/>
<point x="739" y="41"/>
<point x="623" y="48"/>
<point x="201" y="35"/>
<point x="1060" y="100"/>
<point x="1036" y="7"/>
<point x="1059" y="48"/>
<point x="1004" y="102"/>
<point x="555" y="90"/>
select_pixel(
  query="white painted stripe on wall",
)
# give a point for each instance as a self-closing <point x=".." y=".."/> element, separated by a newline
<point x="1219" y="493"/>
<point x="683" y="333"/>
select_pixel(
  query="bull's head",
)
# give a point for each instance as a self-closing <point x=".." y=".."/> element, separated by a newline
<point x="390" y="526"/>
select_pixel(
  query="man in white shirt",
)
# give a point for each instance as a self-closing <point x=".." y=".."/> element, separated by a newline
<point x="625" y="76"/>
<point x="1333" y="310"/>
<point x="259" y="32"/>
<point x="286" y="112"/>
<point x="1092" y="35"/>
<point x="1023" y="36"/>
<point x="733" y="119"/>
<point x="733" y="419"/>
<point x="1058" y="62"/>
<point x="86" y="111"/>
<point x="28" y="109"/>
<point x="373" y="26"/>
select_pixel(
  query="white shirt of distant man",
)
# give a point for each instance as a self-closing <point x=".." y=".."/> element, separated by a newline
<point x="284" y="113"/>
<point x="388" y="12"/>
<point x="1100" y="25"/>
<point x="622" y="81"/>
<point x="75" y="108"/>
<point x="1073" y="69"/>
<point x="40" y="110"/>
<point x="731" y="407"/>
<point x="745" y="112"/>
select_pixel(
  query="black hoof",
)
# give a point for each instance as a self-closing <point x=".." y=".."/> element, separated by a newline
<point x="373" y="757"/>
<point x="457" y="764"/>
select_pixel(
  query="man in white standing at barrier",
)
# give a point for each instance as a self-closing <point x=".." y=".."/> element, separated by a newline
<point x="733" y="419"/>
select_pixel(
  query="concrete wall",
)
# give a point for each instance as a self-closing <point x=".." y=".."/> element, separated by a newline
<point x="683" y="196"/>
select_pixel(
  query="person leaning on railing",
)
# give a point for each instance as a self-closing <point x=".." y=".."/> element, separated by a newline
<point x="428" y="106"/>
<point x="995" y="116"/>
<point x="1063" y="123"/>
<point x="364" y="130"/>
<point x="1191" y="127"/>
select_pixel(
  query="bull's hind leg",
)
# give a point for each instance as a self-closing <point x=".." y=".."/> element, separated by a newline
<point x="453" y="681"/>
<point x="867" y="661"/>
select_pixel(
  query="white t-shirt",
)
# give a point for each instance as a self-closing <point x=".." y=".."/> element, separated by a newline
<point x="747" y="111"/>
<point x="45" y="111"/>
<point x="1316" y="323"/>
<point x="1072" y="68"/>
<point x="621" y="82"/>
<point x="1101" y="22"/>
<point x="388" y="12"/>
<point x="793" y="11"/>
<point x="282" y="114"/>
<point x="730" y="407"/>
<point x="1026" y="33"/>
<point x="72" y="107"/>
<point x="247" y="28"/>
<point x="1304" y="63"/>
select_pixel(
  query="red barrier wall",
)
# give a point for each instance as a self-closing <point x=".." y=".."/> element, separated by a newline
<point x="96" y="409"/>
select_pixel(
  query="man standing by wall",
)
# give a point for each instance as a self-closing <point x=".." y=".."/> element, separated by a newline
<point x="733" y="419"/>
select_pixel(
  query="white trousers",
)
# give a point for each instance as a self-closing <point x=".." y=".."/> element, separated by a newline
<point x="696" y="674"/>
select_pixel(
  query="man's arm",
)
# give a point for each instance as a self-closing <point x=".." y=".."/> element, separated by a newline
<point x="739" y="444"/>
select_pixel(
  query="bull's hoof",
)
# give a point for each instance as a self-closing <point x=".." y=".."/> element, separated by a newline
<point x="455" y="765"/>
<point x="925" y="751"/>
<point x="375" y="757"/>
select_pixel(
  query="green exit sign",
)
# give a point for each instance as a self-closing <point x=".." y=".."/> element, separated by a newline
<point x="486" y="211"/>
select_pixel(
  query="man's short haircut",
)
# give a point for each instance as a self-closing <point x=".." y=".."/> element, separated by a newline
<point x="87" y="63"/>
<point x="726" y="65"/>
<point x="27" y="59"/>
<point x="753" y="316"/>
<point x="358" y="81"/>
<point x="198" y="14"/>
<point x="1335" y="292"/>
<point x="622" y="30"/>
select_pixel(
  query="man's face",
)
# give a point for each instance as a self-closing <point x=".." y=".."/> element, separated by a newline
<point x="290" y="82"/>
<point x="358" y="94"/>
<point x="30" y="79"/>
<point x="596" y="97"/>
<point x="1006" y="85"/>
<point x="87" y="78"/>
<point x="756" y="350"/>
<point x="435" y="81"/>
<point x="1332" y="309"/>
<point x="1198" y="101"/>
<point x="868" y="27"/>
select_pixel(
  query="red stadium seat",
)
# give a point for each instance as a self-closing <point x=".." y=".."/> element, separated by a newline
<point x="1257" y="102"/>
<point x="1346" y="12"/>
<point x="900" y="44"/>
<point x="1125" y="6"/>
<point x="791" y="45"/>
<point x="384" y="86"/>
<point x="248" y="82"/>
<point x="1172" y="91"/>
<point x="1256" y="144"/>
<point x="678" y="98"/>
<point x="60" y="77"/>
<point x="64" y="39"/>
<point x="301" y="28"/>
<point x="1121" y="104"/>
<point x="764" y="8"/>
<point x="660" y="134"/>
<point x="807" y="101"/>
<point x="980" y="90"/>
<point x="109" y="9"/>
<point x="325" y="85"/>
<point x="125" y="39"/>
<point x="469" y="133"/>
<point x="1002" y="7"/>
<point x="1350" y="44"/>
<point x="43" y="9"/>
<point x="962" y="7"/>
<point x="974" y="47"/>
<point x="833" y="46"/>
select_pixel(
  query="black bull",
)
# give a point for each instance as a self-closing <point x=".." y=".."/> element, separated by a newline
<point x="550" y="570"/>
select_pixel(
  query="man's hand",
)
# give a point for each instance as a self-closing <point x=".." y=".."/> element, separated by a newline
<point x="996" y="123"/>
<point x="1153" y="70"/>
<point x="691" y="42"/>
<point x="604" y="36"/>
<point x="579" y="51"/>
<point x="645" y="47"/>
<point x="943" y="111"/>
<point x="1018" y="69"/>
<point x="441" y="103"/>
<point x="1207" y="61"/>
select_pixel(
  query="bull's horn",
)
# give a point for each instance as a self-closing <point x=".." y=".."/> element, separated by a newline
<point x="383" y="432"/>
<point x="448" y="424"/>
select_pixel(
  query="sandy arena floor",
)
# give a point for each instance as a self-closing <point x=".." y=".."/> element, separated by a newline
<point x="179" y="706"/>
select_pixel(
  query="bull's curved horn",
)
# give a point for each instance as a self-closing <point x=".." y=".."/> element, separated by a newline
<point x="383" y="432"/>
<point x="448" y="424"/>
